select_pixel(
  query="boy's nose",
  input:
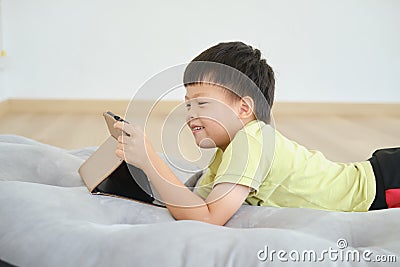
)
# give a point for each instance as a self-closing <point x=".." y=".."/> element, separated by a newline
<point x="189" y="117"/>
<point x="191" y="114"/>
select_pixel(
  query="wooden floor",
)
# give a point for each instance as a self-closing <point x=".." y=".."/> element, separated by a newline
<point x="340" y="138"/>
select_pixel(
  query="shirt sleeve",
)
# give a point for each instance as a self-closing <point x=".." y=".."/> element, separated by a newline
<point x="244" y="162"/>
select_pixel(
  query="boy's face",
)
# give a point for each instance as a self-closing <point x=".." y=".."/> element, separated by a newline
<point x="212" y="115"/>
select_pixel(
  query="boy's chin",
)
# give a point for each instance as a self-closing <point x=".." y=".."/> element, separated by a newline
<point x="206" y="143"/>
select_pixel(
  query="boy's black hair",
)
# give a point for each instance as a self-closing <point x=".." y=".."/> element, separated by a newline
<point x="258" y="83"/>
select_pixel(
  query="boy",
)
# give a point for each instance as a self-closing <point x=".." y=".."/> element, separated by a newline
<point x="254" y="163"/>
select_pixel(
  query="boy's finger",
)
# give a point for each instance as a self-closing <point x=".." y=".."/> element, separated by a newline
<point x="120" y="139"/>
<point x="118" y="125"/>
<point x="120" y="154"/>
<point x="120" y="146"/>
<point x="123" y="126"/>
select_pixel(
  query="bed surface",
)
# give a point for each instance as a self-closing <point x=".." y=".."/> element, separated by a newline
<point x="48" y="218"/>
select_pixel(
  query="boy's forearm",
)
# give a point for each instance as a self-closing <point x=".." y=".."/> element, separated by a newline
<point x="182" y="203"/>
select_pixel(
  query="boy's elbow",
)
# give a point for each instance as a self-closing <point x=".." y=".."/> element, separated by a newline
<point x="219" y="223"/>
<point x="204" y="219"/>
<point x="204" y="216"/>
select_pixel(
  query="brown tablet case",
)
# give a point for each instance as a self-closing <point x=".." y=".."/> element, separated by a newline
<point x="104" y="173"/>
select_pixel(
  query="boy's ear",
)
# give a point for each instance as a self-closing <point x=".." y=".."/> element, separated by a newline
<point x="246" y="107"/>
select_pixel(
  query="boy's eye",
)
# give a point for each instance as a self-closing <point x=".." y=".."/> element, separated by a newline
<point x="199" y="103"/>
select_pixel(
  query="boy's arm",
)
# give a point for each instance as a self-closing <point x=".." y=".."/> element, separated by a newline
<point x="223" y="201"/>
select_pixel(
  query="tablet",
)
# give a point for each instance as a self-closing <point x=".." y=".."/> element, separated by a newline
<point x="106" y="174"/>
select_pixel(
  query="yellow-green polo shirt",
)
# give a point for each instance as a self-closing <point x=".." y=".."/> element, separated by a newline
<point x="283" y="173"/>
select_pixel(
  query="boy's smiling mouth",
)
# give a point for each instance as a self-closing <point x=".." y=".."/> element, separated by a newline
<point x="196" y="128"/>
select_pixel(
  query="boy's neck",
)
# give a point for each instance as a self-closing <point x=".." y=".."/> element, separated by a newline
<point x="244" y="123"/>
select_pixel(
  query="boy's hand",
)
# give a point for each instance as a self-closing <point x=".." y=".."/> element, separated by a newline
<point x="135" y="149"/>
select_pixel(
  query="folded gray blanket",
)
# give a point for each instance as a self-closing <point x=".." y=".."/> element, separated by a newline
<point x="48" y="218"/>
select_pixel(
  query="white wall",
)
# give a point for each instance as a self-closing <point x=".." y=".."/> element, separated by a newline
<point x="336" y="50"/>
<point x="3" y="94"/>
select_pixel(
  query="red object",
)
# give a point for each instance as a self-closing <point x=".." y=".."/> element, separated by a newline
<point x="393" y="198"/>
